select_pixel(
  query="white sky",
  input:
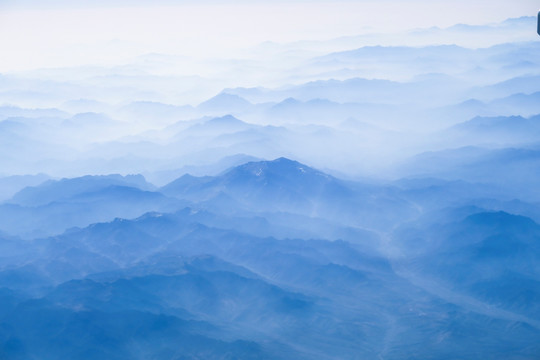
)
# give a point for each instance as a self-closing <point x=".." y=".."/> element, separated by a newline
<point x="58" y="36"/>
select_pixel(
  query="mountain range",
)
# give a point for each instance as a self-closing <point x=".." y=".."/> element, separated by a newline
<point x="226" y="267"/>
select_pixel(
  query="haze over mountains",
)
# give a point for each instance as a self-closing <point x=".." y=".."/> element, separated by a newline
<point x="362" y="197"/>
<point x="91" y="121"/>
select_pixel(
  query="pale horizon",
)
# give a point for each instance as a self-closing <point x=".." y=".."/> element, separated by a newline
<point x="63" y="35"/>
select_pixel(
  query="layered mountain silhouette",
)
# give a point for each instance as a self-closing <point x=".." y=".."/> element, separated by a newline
<point x="283" y="185"/>
<point x="347" y="198"/>
<point x="215" y="266"/>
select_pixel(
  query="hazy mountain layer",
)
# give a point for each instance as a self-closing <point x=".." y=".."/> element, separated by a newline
<point x="331" y="197"/>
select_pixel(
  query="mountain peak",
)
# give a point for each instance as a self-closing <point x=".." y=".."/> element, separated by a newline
<point x="225" y="120"/>
<point x="225" y="101"/>
<point x="278" y="168"/>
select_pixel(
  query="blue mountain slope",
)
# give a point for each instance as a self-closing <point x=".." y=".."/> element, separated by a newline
<point x="129" y="241"/>
<point x="224" y="103"/>
<point x="281" y="225"/>
<point x="60" y="190"/>
<point x="223" y="297"/>
<point x="283" y="185"/>
<point x="489" y="255"/>
<point x="38" y="328"/>
<point x="11" y="185"/>
<point x="483" y="165"/>
<point x="222" y="284"/>
<point x="17" y="135"/>
<point x="221" y="293"/>
<point x="55" y="211"/>
<point x="214" y="127"/>
<point x="253" y="179"/>
<point x="496" y="131"/>
<point x="88" y="120"/>
<point x="518" y="104"/>
<point x="526" y="84"/>
<point x="298" y="293"/>
<point x="14" y="111"/>
<point x="439" y="53"/>
<point x="434" y="194"/>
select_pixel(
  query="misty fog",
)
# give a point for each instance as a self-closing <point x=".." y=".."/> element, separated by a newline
<point x="295" y="192"/>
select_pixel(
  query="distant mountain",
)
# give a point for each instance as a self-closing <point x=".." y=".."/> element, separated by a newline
<point x="14" y="111"/>
<point x="522" y="21"/>
<point x="216" y="126"/>
<point x="162" y="178"/>
<point x="435" y="194"/>
<point x="483" y="165"/>
<point x="253" y="95"/>
<point x="267" y="260"/>
<point x="82" y="209"/>
<point x="55" y="206"/>
<point x="282" y="173"/>
<point x="59" y="190"/>
<point x="518" y="104"/>
<point x="224" y="103"/>
<point x="350" y="90"/>
<point x="89" y="120"/>
<point x="10" y="185"/>
<point x="491" y="255"/>
<point x="524" y="84"/>
<point x="283" y="185"/>
<point x="513" y="30"/>
<point x="500" y="131"/>
<point x="170" y="278"/>
<point x="525" y="105"/>
<point x="439" y="53"/>
<point x="24" y="142"/>
<point x="359" y="90"/>
<point x="317" y="111"/>
<point x="500" y="123"/>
